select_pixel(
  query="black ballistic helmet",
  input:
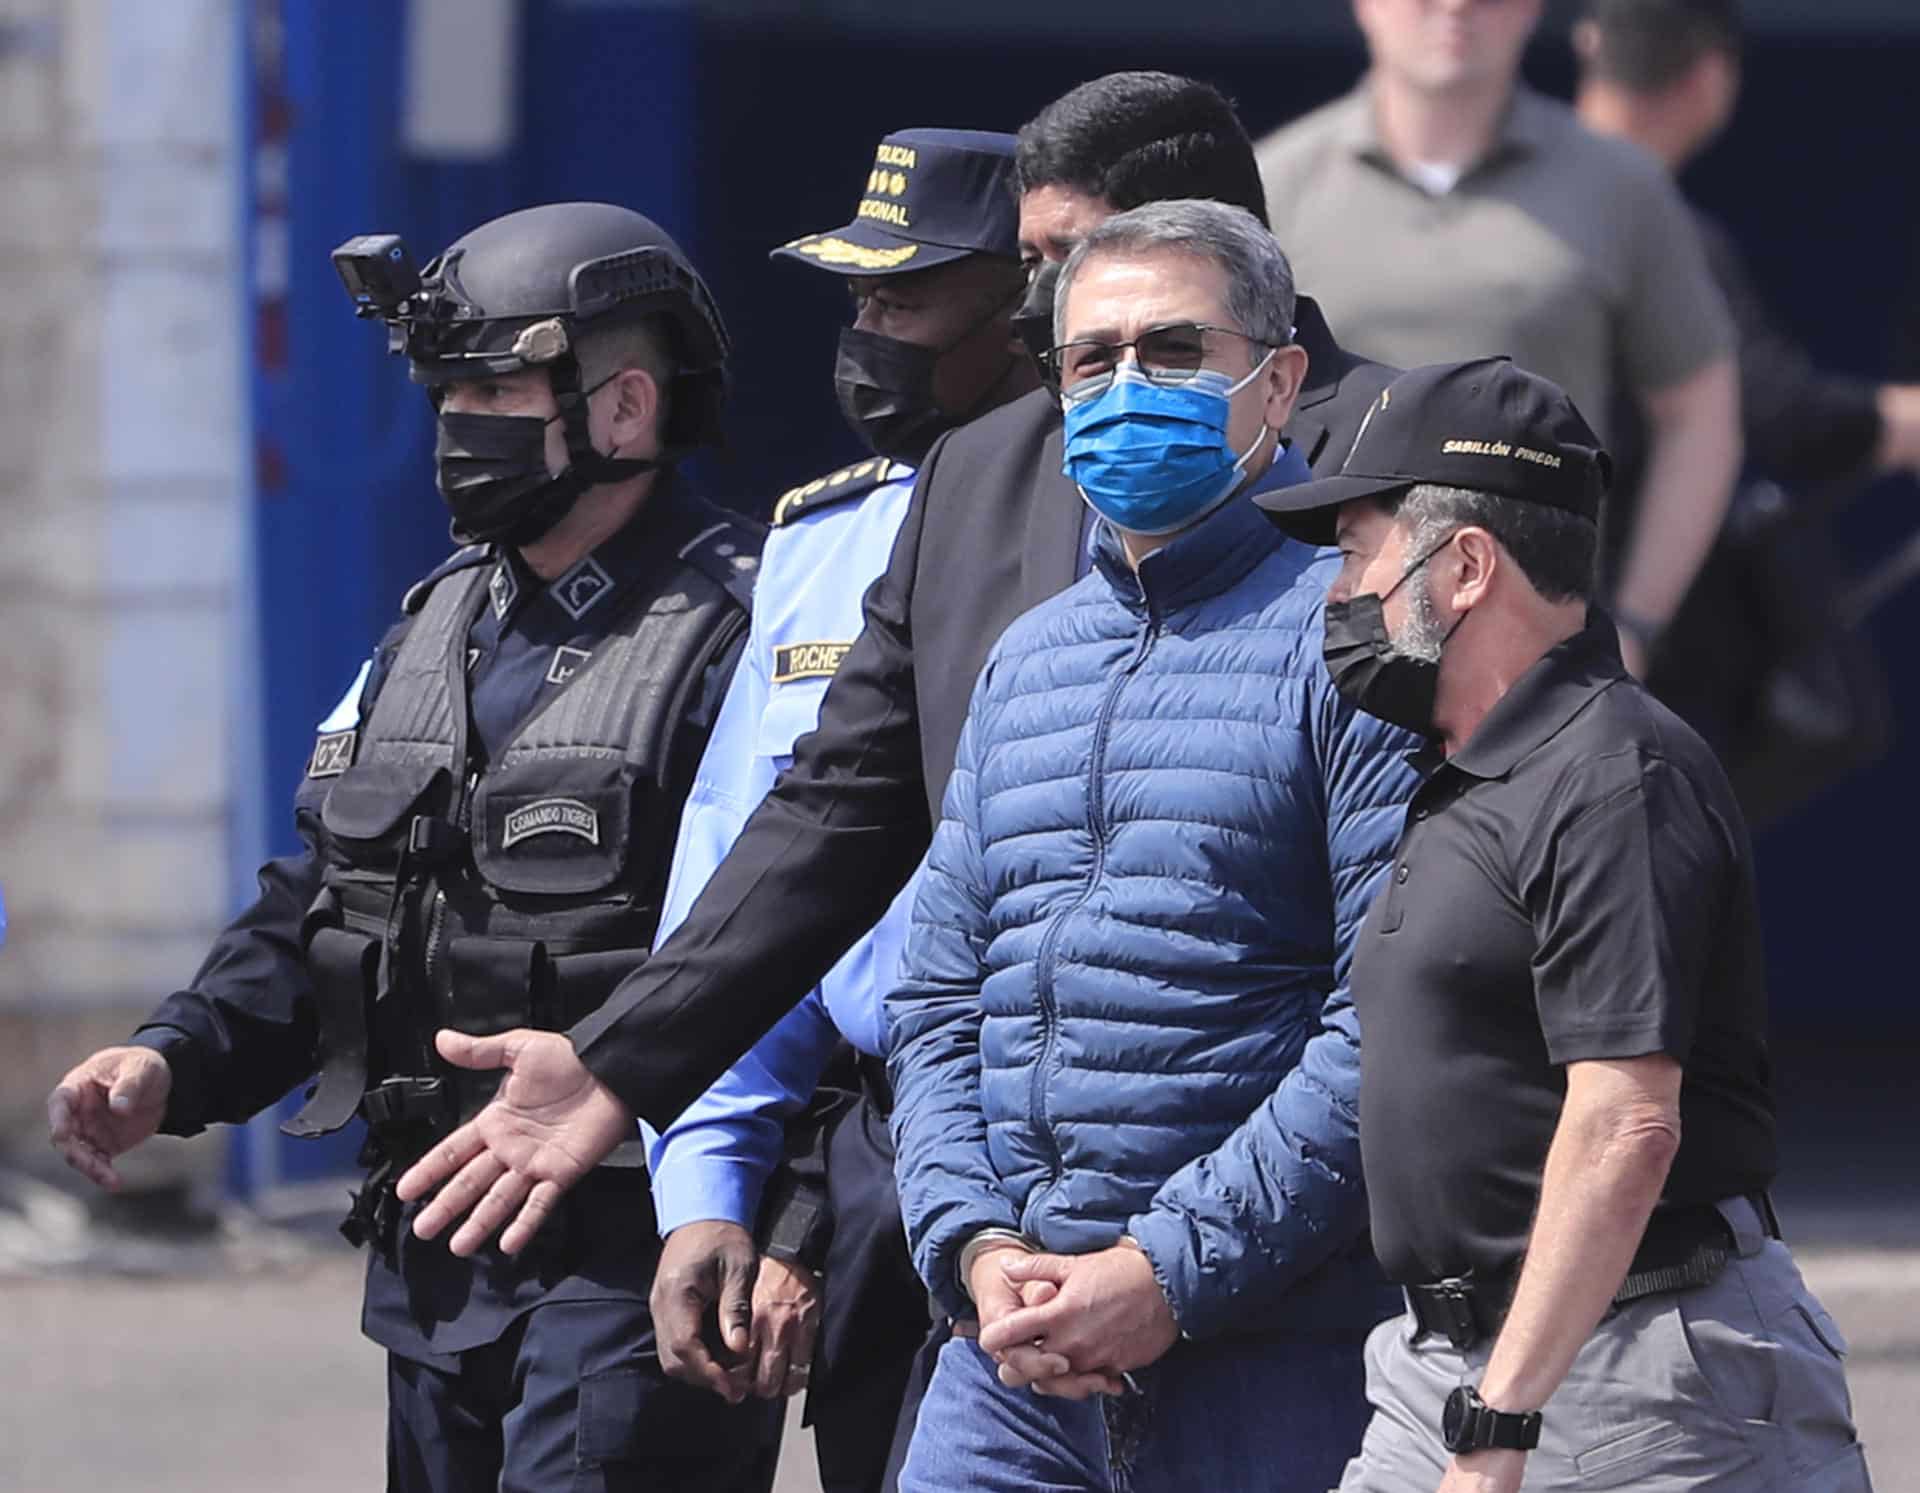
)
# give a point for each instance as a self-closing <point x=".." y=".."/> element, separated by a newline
<point x="517" y="293"/>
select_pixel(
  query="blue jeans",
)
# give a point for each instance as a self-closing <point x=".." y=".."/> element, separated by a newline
<point x="1277" y="1414"/>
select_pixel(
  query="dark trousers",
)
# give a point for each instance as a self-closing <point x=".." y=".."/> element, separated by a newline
<point x="570" y="1399"/>
<point x="875" y="1315"/>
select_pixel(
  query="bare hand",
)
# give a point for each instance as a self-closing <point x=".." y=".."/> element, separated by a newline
<point x="706" y="1272"/>
<point x="995" y="1297"/>
<point x="1109" y="1318"/>
<point x="551" y="1123"/>
<point x="105" y="1106"/>
<point x="1485" y="1472"/>
<point x="786" y="1320"/>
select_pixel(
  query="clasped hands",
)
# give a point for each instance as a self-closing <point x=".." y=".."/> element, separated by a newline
<point x="1070" y="1325"/>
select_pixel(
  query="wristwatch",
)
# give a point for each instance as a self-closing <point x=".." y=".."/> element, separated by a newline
<point x="1469" y="1424"/>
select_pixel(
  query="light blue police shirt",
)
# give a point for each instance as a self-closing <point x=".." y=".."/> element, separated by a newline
<point x="824" y="551"/>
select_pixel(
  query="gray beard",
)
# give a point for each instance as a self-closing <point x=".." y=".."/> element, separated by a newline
<point x="1423" y="634"/>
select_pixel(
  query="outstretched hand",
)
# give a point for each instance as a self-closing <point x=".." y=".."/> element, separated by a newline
<point x="105" y="1106"/>
<point x="551" y="1123"/>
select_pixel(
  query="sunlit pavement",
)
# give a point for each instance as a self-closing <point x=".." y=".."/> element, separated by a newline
<point x="259" y="1381"/>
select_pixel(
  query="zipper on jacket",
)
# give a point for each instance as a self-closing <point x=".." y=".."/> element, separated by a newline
<point x="1043" y="962"/>
<point x="437" y="914"/>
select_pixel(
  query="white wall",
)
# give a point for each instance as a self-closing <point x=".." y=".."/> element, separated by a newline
<point x="123" y="511"/>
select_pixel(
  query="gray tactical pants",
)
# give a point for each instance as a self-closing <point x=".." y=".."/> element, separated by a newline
<point x="1733" y="1387"/>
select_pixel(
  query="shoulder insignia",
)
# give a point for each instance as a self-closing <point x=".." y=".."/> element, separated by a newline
<point x="836" y="487"/>
<point x="332" y="754"/>
<point x="728" y="554"/>
<point x="465" y="559"/>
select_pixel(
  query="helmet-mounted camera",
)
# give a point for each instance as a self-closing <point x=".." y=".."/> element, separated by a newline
<point x="378" y="273"/>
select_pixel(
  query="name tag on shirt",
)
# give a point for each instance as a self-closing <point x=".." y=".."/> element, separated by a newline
<point x="807" y="660"/>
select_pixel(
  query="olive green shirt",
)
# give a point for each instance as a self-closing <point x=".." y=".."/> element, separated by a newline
<point x="1571" y="253"/>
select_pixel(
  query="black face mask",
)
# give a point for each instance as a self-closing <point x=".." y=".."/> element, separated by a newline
<point x="1033" y="322"/>
<point x="1369" y="671"/>
<point x="885" y="388"/>
<point x="492" y="471"/>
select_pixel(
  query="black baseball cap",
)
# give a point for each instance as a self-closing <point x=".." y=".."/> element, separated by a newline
<point x="1484" y="424"/>
<point x="933" y="196"/>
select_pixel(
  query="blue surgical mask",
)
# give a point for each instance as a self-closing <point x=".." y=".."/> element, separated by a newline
<point x="1153" y="458"/>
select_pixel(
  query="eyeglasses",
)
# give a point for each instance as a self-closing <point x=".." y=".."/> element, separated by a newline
<point x="1166" y="355"/>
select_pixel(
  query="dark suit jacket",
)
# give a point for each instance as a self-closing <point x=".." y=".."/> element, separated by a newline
<point x="993" y="530"/>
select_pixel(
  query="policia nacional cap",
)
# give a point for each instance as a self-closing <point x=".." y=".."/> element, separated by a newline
<point x="933" y="196"/>
<point x="1484" y="424"/>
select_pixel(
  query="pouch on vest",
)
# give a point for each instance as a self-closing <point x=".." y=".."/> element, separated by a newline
<point x="495" y="983"/>
<point x="344" y="966"/>
<point x="373" y="804"/>
<point x="552" y="826"/>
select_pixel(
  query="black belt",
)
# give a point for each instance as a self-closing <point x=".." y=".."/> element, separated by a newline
<point x="1681" y="1249"/>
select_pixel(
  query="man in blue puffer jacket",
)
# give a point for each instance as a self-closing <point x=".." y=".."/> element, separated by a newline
<point x="1125" y="1062"/>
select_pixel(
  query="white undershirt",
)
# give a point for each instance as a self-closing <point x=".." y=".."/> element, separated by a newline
<point x="1435" y="178"/>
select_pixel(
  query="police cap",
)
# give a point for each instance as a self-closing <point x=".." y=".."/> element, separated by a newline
<point x="932" y="196"/>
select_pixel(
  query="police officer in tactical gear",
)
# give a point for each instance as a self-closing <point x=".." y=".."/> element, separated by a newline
<point x="488" y="817"/>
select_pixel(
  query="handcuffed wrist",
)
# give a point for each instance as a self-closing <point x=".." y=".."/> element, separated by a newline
<point x="985" y="1240"/>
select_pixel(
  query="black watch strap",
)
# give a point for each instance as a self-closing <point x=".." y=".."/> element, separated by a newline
<point x="1469" y="1424"/>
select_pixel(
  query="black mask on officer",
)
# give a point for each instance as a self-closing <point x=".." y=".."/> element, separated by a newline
<point x="885" y="389"/>
<point x="492" y="472"/>
<point x="1370" y="671"/>
<point x="1033" y="322"/>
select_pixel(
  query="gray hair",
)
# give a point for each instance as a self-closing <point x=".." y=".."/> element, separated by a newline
<point x="1556" y="551"/>
<point x="1259" y="279"/>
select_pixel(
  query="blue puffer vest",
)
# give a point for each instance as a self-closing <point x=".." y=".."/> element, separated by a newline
<point x="1124" y="1004"/>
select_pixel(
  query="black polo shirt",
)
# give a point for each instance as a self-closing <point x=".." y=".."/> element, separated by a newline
<point x="1574" y="884"/>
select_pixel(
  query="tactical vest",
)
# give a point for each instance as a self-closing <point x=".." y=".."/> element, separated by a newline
<point x="520" y="896"/>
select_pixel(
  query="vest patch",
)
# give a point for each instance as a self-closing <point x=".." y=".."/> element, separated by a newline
<point x="807" y="660"/>
<point x="580" y="588"/>
<point x="332" y="754"/>
<point x="502" y="589"/>
<point x="567" y="662"/>
<point x="552" y="816"/>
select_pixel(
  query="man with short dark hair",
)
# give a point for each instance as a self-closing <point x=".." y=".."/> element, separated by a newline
<point x="1763" y="660"/>
<point x="1665" y="75"/>
<point x="1125" y="1068"/>
<point x="1565" y="966"/>
<point x="995" y="527"/>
